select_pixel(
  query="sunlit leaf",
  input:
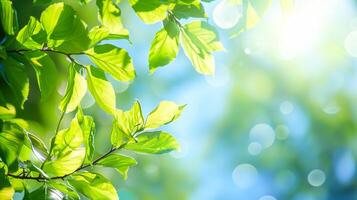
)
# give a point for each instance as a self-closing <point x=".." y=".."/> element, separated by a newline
<point x="67" y="151"/>
<point x="150" y="11"/>
<point x="58" y="20"/>
<point x="186" y="9"/>
<point x="93" y="186"/>
<point x="164" y="113"/>
<point x="199" y="40"/>
<point x="119" y="162"/>
<point x="66" y="190"/>
<point x="164" y="47"/>
<point x="77" y="41"/>
<point x="126" y="124"/>
<point x="75" y="91"/>
<point x="31" y="35"/>
<point x="109" y="15"/>
<point x="87" y="125"/>
<point x="8" y="18"/>
<point x="157" y="142"/>
<point x="113" y="60"/>
<point x="101" y="89"/>
<point x="97" y="34"/>
<point x="7" y="111"/>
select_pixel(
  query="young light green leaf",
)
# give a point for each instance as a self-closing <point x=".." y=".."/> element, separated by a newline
<point x="46" y="72"/>
<point x="7" y="111"/>
<point x="88" y="127"/>
<point x="17" y="79"/>
<point x="97" y="34"/>
<point x="126" y="124"/>
<point x="113" y="60"/>
<point x="109" y="15"/>
<point x="164" y="113"/>
<point x="75" y="91"/>
<point x="67" y="151"/>
<point x="150" y="11"/>
<point x="199" y="40"/>
<point x="32" y="36"/>
<point x="119" y="162"/>
<point x="66" y="190"/>
<point x="101" y="89"/>
<point x="93" y="186"/>
<point x="205" y="35"/>
<point x="117" y="137"/>
<point x="58" y="20"/>
<point x="157" y="142"/>
<point x="164" y="47"/>
<point x="8" y="17"/>
<point x="201" y="60"/>
<point x="11" y="141"/>
<point x="186" y="9"/>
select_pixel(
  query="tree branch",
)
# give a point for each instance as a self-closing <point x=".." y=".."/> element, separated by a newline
<point x="44" y="179"/>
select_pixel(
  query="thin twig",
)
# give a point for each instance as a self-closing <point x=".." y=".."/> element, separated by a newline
<point x="44" y="179"/>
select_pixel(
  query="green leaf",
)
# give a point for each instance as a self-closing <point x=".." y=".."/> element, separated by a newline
<point x="37" y="145"/>
<point x="17" y="79"/>
<point x="32" y="36"/>
<point x="109" y="15"/>
<point x="75" y="91"/>
<point x="205" y="34"/>
<point x="41" y="1"/>
<point x="58" y="20"/>
<point x="113" y="60"/>
<point x="199" y="40"/>
<point x="93" y="186"/>
<point x="119" y="162"/>
<point x="33" y="168"/>
<point x="6" y="191"/>
<point x="46" y="72"/>
<point x="66" y="190"/>
<point x="77" y="41"/>
<point x="7" y="112"/>
<point x="157" y="142"/>
<point x="3" y="54"/>
<point x="127" y="123"/>
<point x="67" y="152"/>
<point x="164" y="47"/>
<point x="189" y="8"/>
<point x="164" y="113"/>
<point x="11" y="140"/>
<point x="97" y="34"/>
<point x="8" y="17"/>
<point x="88" y="127"/>
<point x="43" y="193"/>
<point x="150" y="11"/>
<point x="101" y="89"/>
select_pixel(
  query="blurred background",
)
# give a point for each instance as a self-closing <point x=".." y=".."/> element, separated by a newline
<point x="278" y="120"/>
